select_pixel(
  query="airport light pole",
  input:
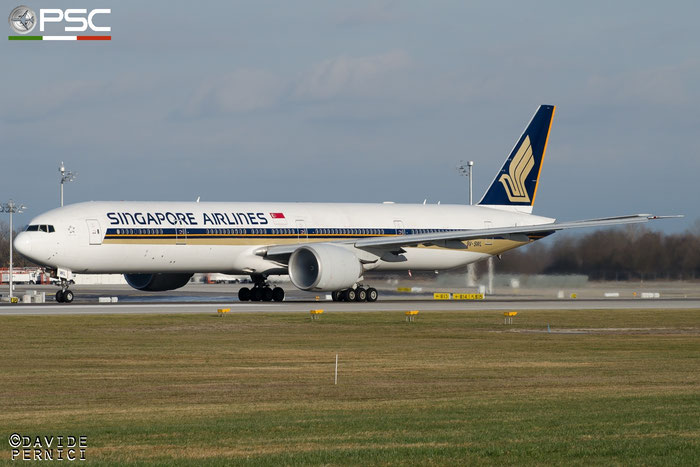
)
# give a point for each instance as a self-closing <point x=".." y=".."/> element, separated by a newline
<point x="465" y="169"/>
<point x="66" y="176"/>
<point x="11" y="208"/>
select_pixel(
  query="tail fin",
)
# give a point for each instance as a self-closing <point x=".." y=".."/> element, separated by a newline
<point x="515" y="186"/>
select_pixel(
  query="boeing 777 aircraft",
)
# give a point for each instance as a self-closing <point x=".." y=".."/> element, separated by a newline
<point x="323" y="247"/>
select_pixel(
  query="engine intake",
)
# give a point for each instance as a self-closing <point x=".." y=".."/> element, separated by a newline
<point x="157" y="282"/>
<point x="324" y="267"/>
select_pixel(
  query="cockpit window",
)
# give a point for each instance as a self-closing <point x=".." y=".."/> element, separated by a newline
<point x="41" y="228"/>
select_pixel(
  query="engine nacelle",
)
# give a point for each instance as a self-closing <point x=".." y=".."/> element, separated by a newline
<point x="324" y="267"/>
<point x="157" y="282"/>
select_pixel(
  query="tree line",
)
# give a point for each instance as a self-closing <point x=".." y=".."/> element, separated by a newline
<point x="625" y="253"/>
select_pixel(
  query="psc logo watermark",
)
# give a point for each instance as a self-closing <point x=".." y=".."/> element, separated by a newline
<point x="48" y="447"/>
<point x="23" y="20"/>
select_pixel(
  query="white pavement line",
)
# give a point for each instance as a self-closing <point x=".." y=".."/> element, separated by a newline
<point x="303" y="307"/>
<point x="130" y="305"/>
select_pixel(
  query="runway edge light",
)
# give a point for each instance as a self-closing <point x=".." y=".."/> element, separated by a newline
<point x="316" y="314"/>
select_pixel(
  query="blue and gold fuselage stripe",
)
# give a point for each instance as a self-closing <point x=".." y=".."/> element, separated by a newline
<point x="123" y="233"/>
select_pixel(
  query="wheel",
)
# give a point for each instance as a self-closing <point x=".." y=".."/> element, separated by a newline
<point x="372" y="294"/>
<point x="266" y="294"/>
<point x="350" y="295"/>
<point x="278" y="294"/>
<point x="59" y="296"/>
<point x="244" y="294"/>
<point x="361" y="294"/>
<point x="335" y="295"/>
<point x="67" y="296"/>
<point x="255" y="294"/>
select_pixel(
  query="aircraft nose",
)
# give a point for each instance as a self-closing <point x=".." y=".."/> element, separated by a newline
<point x="23" y="244"/>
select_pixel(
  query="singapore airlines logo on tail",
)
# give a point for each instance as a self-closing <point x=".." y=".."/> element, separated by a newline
<point x="518" y="170"/>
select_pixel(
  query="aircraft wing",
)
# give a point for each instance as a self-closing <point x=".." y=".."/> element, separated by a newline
<point x="461" y="235"/>
<point x="455" y="236"/>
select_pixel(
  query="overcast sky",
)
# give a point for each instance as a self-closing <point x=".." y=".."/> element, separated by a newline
<point x="358" y="102"/>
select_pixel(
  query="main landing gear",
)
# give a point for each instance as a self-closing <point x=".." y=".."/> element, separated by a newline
<point x="359" y="294"/>
<point x="261" y="291"/>
<point x="64" y="295"/>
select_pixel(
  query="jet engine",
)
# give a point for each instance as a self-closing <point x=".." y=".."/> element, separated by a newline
<point x="324" y="267"/>
<point x="157" y="282"/>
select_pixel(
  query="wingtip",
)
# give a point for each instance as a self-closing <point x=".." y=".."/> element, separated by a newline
<point x="672" y="216"/>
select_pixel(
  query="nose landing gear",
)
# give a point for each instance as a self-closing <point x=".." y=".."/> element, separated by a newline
<point x="64" y="295"/>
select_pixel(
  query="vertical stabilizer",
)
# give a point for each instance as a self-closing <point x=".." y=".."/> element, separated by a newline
<point x="515" y="186"/>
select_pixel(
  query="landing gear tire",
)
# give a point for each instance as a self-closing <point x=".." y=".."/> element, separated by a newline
<point x="261" y="290"/>
<point x="67" y="296"/>
<point x="266" y="294"/>
<point x="350" y="295"/>
<point x="335" y="295"/>
<point x="64" y="296"/>
<point x="244" y="294"/>
<point x="278" y="294"/>
<point x="361" y="294"/>
<point x="372" y="294"/>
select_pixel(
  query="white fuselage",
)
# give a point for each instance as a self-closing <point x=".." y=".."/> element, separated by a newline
<point x="187" y="237"/>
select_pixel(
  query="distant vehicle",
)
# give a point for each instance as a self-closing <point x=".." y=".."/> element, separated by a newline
<point x="24" y="276"/>
<point x="218" y="278"/>
<point x="323" y="247"/>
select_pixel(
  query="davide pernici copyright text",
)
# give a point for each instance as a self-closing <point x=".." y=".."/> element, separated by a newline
<point x="48" y="447"/>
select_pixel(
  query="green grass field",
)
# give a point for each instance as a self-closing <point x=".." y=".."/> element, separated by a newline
<point x="618" y="387"/>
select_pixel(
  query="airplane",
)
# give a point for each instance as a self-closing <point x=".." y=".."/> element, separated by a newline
<point x="158" y="246"/>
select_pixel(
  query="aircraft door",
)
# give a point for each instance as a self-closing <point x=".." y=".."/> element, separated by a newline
<point x="398" y="225"/>
<point x="302" y="233"/>
<point x="180" y="234"/>
<point x="488" y="225"/>
<point x="94" y="231"/>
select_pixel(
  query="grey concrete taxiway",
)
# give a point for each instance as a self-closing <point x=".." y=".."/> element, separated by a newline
<point x="327" y="306"/>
